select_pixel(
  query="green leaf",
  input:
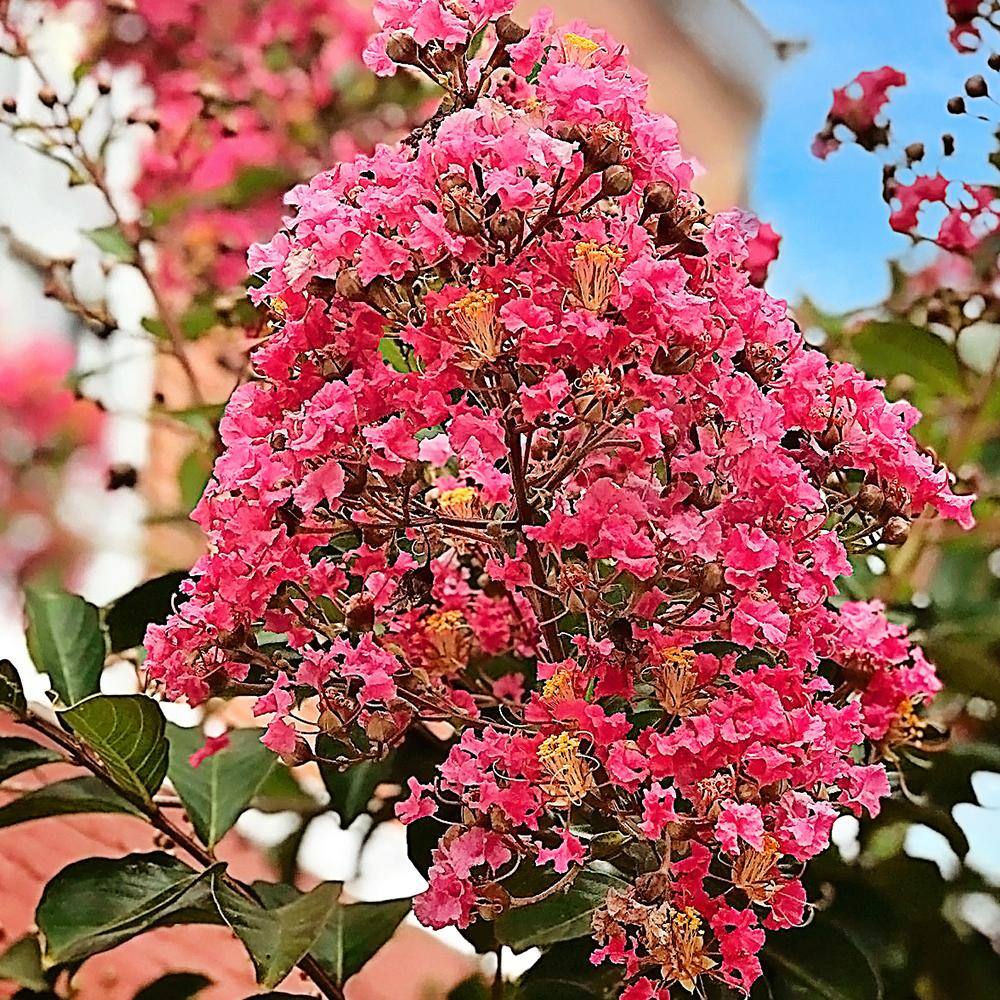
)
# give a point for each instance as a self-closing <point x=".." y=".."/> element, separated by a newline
<point x="11" y="692"/>
<point x="174" y="986"/>
<point x="276" y="939"/>
<point x="127" y="733"/>
<point x="150" y="603"/>
<point x="887" y="349"/>
<point x="352" y="789"/>
<point x="392" y="355"/>
<point x="354" y="933"/>
<point x="18" y="754"/>
<point x="473" y="988"/>
<point x="64" y="798"/>
<point x="112" y="241"/>
<point x="65" y="640"/>
<point x="21" y="963"/>
<point x="560" y="917"/>
<point x="193" y="476"/>
<point x="96" y="904"/>
<point x="819" y="962"/>
<point x="565" y="973"/>
<point x="217" y="791"/>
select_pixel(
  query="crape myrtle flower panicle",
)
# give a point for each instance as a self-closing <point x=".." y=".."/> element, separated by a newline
<point x="528" y="454"/>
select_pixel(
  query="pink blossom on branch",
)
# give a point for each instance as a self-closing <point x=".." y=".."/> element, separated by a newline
<point x="522" y="401"/>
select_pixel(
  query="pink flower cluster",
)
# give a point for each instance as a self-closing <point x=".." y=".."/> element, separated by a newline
<point x="968" y="17"/>
<point x="857" y="109"/>
<point x="247" y="98"/>
<point x="528" y="458"/>
<point x="48" y="437"/>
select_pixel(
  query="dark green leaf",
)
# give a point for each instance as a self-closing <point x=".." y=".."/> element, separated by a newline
<point x="352" y="789"/>
<point x="11" y="692"/>
<point x="18" y="754"/>
<point x="127" y="732"/>
<point x="473" y="988"/>
<point x="65" y="640"/>
<point x="559" y="917"/>
<point x="217" y="791"/>
<point x="819" y="962"/>
<point x="64" y="798"/>
<point x="21" y="963"/>
<point x="150" y="603"/>
<point x="174" y="986"/>
<point x="276" y="939"/>
<point x="565" y="973"/>
<point x="354" y="932"/>
<point x="112" y="241"/>
<point x="96" y="904"/>
<point x="887" y="349"/>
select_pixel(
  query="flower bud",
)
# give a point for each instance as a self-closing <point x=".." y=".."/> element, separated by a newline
<point x="10" y="105"/>
<point x="711" y="580"/>
<point x="402" y="49"/>
<point x="870" y="498"/>
<point x="975" y="86"/>
<point x="616" y="181"/>
<point x="506" y="226"/>
<point x="509" y="32"/>
<point x="48" y="97"/>
<point x="914" y="152"/>
<point x="956" y="106"/>
<point x="994" y="61"/>
<point x="896" y="531"/>
<point x="659" y="197"/>
<point x="349" y="285"/>
<point x="300" y="755"/>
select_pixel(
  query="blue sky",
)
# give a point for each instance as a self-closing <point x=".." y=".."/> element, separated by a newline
<point x="833" y="220"/>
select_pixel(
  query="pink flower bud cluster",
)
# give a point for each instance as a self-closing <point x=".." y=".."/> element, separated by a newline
<point x="529" y="459"/>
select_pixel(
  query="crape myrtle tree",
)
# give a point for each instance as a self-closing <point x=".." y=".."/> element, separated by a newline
<point x="530" y="527"/>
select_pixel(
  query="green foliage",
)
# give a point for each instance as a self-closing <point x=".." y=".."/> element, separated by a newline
<point x="560" y="917"/>
<point x="174" y="986"/>
<point x="276" y="939"/>
<point x="819" y="961"/>
<point x="113" y="242"/>
<point x="354" y="932"/>
<point x="352" y="789"/>
<point x="96" y="904"/>
<point x="217" y="791"/>
<point x="127" y="618"/>
<point x="65" y="798"/>
<point x="11" y="692"/>
<point x="65" y="640"/>
<point x="21" y="963"/>
<point x="18" y="755"/>
<point x="127" y="732"/>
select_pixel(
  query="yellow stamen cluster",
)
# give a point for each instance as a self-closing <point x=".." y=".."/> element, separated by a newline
<point x="595" y="273"/>
<point x="579" y="49"/>
<point x="680" y="949"/>
<point x="907" y="729"/>
<point x="463" y="502"/>
<point x="558" y="688"/>
<point x="676" y="683"/>
<point x="571" y="777"/>
<point x="754" y="871"/>
<point x="450" y="640"/>
<point x="474" y="319"/>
